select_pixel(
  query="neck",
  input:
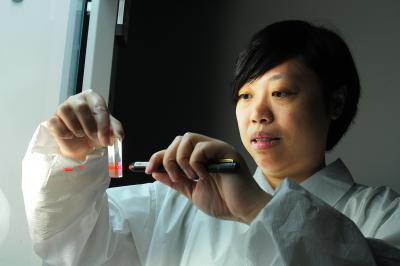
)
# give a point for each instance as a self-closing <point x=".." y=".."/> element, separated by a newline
<point x="298" y="177"/>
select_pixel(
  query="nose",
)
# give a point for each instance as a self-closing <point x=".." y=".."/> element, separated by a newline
<point x="262" y="113"/>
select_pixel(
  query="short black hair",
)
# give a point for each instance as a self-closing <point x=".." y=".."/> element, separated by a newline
<point x="321" y="50"/>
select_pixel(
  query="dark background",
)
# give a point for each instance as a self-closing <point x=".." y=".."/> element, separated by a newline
<point x="167" y="78"/>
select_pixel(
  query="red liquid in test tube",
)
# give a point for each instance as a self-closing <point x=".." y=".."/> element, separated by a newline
<point x="115" y="159"/>
<point x="115" y="169"/>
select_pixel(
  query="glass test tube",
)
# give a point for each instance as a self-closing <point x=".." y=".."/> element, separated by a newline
<point x="115" y="159"/>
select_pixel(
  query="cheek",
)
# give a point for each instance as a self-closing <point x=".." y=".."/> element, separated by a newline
<point x="241" y="119"/>
<point x="307" y="124"/>
<point x="243" y="125"/>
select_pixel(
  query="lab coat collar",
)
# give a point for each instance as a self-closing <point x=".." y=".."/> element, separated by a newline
<point x="329" y="184"/>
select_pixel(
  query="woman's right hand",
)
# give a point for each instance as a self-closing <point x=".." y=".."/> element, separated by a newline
<point x="83" y="123"/>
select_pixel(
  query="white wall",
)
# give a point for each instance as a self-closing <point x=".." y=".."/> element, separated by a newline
<point x="35" y="61"/>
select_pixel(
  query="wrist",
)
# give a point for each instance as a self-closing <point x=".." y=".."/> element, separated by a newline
<point x="261" y="199"/>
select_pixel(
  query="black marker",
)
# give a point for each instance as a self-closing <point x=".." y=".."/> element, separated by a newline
<point x="219" y="166"/>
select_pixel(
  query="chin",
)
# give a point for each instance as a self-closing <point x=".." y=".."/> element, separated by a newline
<point x="272" y="163"/>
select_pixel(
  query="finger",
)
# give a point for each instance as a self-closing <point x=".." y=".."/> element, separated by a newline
<point x="117" y="130"/>
<point x="163" y="178"/>
<point x="66" y="113"/>
<point x="101" y="116"/>
<point x="185" y="187"/>
<point x="212" y="150"/>
<point x="169" y="161"/>
<point x="155" y="162"/>
<point x="58" y="128"/>
<point x="199" y="159"/>
<point x="184" y="152"/>
<point x="86" y="119"/>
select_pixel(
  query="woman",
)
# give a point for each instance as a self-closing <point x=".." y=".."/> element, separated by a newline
<point x="296" y="91"/>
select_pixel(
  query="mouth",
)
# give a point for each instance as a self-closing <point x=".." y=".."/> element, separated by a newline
<point x="257" y="140"/>
<point x="264" y="142"/>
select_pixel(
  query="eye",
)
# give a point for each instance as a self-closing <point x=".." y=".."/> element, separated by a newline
<point x="280" y="94"/>
<point x="244" y="96"/>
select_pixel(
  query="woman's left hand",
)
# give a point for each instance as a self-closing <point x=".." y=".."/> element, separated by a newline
<point x="233" y="196"/>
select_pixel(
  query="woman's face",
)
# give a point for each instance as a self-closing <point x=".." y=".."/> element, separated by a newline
<point x="283" y="122"/>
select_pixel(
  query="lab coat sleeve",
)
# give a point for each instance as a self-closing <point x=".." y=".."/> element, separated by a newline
<point x="70" y="219"/>
<point x="297" y="228"/>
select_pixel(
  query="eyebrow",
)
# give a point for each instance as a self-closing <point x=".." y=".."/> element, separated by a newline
<point x="278" y="76"/>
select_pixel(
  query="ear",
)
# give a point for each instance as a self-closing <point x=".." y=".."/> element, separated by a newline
<point x="337" y="101"/>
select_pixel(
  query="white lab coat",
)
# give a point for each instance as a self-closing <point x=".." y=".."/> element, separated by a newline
<point x="75" y="220"/>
